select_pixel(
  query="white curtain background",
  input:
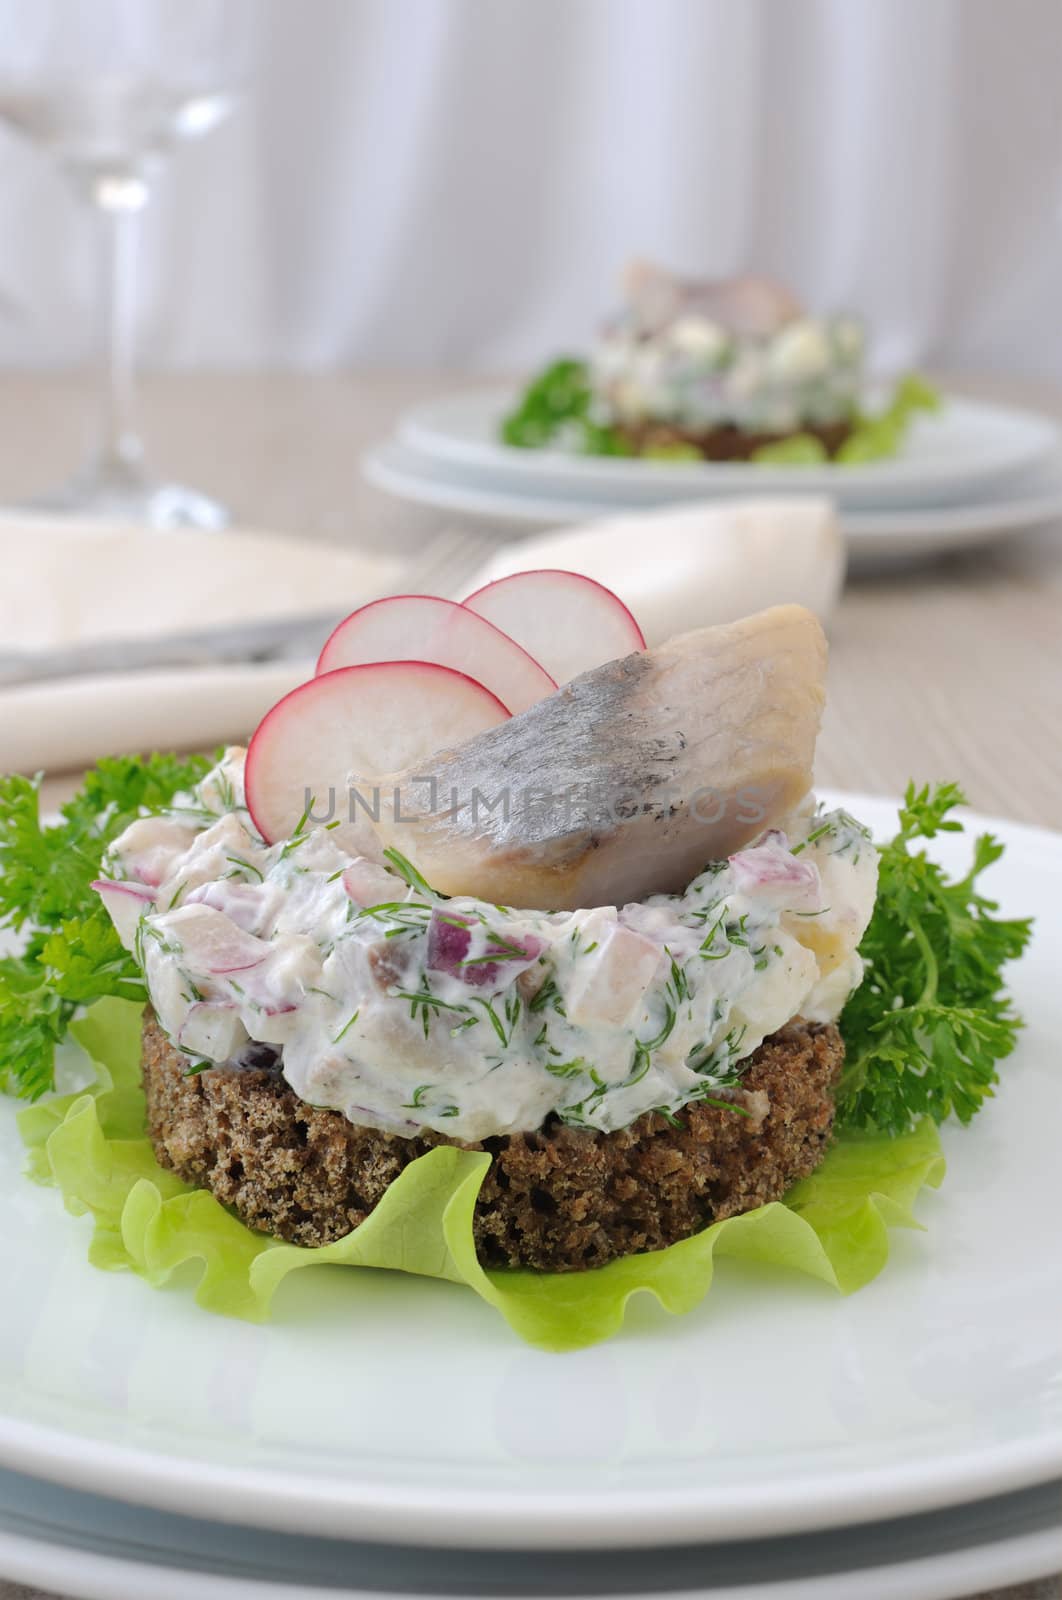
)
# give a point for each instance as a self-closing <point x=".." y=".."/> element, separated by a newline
<point x="429" y="183"/>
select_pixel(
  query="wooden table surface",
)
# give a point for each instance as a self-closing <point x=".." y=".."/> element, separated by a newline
<point x="949" y="670"/>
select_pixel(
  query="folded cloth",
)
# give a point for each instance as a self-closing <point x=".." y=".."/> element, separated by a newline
<point x="697" y="565"/>
<point x="62" y="726"/>
<point x="676" y="569"/>
<point x="66" y="583"/>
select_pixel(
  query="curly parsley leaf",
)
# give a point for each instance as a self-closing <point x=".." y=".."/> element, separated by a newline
<point x="557" y="405"/>
<point x="932" y="1019"/>
<point x="71" y="954"/>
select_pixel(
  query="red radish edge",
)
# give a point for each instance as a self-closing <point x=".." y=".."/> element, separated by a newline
<point x="386" y="598"/>
<point x="303" y="688"/>
<point x="139" y="891"/>
<point x="563" y="572"/>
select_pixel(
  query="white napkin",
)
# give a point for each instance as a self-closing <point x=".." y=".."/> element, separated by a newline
<point x="697" y="565"/>
<point x="64" y="726"/>
<point x="66" y="583"/>
<point x="676" y="569"/>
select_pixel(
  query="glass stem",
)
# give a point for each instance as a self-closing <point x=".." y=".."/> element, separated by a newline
<point x="120" y="205"/>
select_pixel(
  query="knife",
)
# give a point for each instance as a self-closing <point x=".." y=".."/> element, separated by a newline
<point x="285" y="638"/>
<point x="441" y="568"/>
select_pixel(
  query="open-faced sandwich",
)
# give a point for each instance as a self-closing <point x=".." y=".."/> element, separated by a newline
<point x="577" y="920"/>
<point x="731" y="370"/>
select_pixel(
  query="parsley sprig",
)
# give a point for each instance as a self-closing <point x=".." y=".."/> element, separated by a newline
<point x="71" y="954"/>
<point x="556" y="404"/>
<point x="932" y="1019"/>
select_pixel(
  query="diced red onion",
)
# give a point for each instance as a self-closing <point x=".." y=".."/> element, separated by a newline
<point x="450" y="939"/>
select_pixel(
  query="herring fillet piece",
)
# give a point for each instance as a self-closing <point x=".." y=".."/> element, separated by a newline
<point x="629" y="779"/>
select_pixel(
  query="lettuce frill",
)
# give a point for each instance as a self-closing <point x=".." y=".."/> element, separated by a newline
<point x="91" y="1145"/>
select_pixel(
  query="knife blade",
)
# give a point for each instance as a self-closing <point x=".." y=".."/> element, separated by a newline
<point x="277" y="639"/>
<point x="442" y="567"/>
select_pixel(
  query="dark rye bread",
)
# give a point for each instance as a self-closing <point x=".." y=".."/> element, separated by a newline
<point x="559" y="1200"/>
<point x="726" y="442"/>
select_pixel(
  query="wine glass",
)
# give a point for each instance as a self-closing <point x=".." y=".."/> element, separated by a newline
<point x="108" y="89"/>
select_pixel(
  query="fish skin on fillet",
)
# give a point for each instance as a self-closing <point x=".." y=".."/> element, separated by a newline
<point x="630" y="779"/>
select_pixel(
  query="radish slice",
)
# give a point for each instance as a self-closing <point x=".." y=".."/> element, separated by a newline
<point x="212" y="1030"/>
<point x="772" y="871"/>
<point x="368" y="883"/>
<point x="126" y="903"/>
<point x="417" y="627"/>
<point x="149" y="845"/>
<point x="211" y="943"/>
<point x="567" y="622"/>
<point x="610" y="988"/>
<point x="245" y="904"/>
<point x="336" y="734"/>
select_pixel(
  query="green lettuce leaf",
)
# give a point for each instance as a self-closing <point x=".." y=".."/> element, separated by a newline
<point x="874" y="437"/>
<point x="832" y="1226"/>
<point x="799" y="450"/>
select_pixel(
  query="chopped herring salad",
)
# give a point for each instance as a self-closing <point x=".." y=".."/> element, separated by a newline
<point x="408" y="1011"/>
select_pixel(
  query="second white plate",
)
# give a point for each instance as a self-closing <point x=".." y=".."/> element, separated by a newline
<point x="966" y="447"/>
<point x="873" y="537"/>
<point x="101" y="1549"/>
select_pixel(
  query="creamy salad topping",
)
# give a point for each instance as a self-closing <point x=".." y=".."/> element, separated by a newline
<point x="690" y="371"/>
<point x="409" y="1011"/>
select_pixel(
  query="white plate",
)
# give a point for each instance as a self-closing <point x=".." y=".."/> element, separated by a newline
<point x="873" y="537"/>
<point x="948" y="456"/>
<point x="88" y="1546"/>
<point x="382" y="1407"/>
